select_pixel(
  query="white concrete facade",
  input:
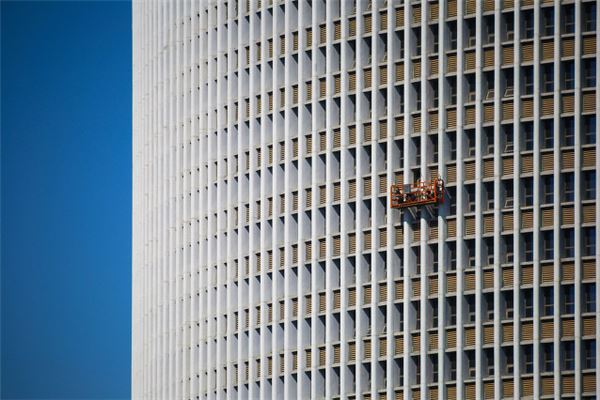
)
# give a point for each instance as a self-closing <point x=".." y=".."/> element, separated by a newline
<point x="266" y="260"/>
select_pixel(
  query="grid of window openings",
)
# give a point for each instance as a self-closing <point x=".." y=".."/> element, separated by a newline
<point x="267" y="262"/>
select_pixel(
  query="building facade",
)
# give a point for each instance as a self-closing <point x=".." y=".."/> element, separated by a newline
<point x="267" y="261"/>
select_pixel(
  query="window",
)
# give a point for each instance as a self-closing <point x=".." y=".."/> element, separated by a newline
<point x="548" y="21"/>
<point x="568" y="75"/>
<point x="453" y="35"/>
<point x="548" y="245"/>
<point x="471" y="309"/>
<point x="527" y="303"/>
<point x="528" y="191"/>
<point x="569" y="131"/>
<point x="434" y="313"/>
<point x="548" y="77"/>
<point x="568" y="186"/>
<point x="588" y="129"/>
<point x="508" y="140"/>
<point x="508" y="305"/>
<point x="509" y="250"/>
<point x="589" y="297"/>
<point x="471" y="368"/>
<point x="528" y="136"/>
<point x="489" y="30"/>
<point x="548" y="188"/>
<point x="452" y="366"/>
<point x="527" y="80"/>
<point x="489" y="135"/>
<point x="589" y="353"/>
<point x="452" y="140"/>
<point x="548" y="301"/>
<point x="452" y="311"/>
<point x="568" y="19"/>
<point x="488" y="202"/>
<point x="568" y="356"/>
<point x="528" y="24"/>
<point x="589" y="17"/>
<point x="434" y="368"/>
<point x="589" y="241"/>
<point x="509" y="25"/>
<point x="471" y="143"/>
<point x="568" y="243"/>
<point x="568" y="299"/>
<point x="453" y="89"/>
<point x="509" y="359"/>
<point x="589" y="72"/>
<point x="470" y="189"/>
<point x="547" y="134"/>
<point x="528" y="359"/>
<point x="589" y="185"/>
<point x="548" y="357"/>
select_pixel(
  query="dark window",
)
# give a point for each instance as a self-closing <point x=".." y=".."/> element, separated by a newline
<point x="548" y="245"/>
<point x="568" y="19"/>
<point x="528" y="136"/>
<point x="589" y="129"/>
<point x="569" y="356"/>
<point x="589" y="17"/>
<point x="528" y="24"/>
<point x="568" y="299"/>
<point x="589" y="351"/>
<point x="528" y="359"/>
<point x="568" y="187"/>
<point x="547" y="134"/>
<point x="548" y="187"/>
<point x="548" y="21"/>
<point x="548" y="301"/>
<point x="568" y="131"/>
<point x="527" y="303"/>
<point x="589" y="185"/>
<point x="548" y="357"/>
<point x="589" y="73"/>
<point x="568" y="75"/>
<point x="589" y="241"/>
<point x="589" y="297"/>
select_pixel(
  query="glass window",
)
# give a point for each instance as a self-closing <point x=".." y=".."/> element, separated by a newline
<point x="527" y="303"/>
<point x="568" y="187"/>
<point x="568" y="75"/>
<point x="589" y="17"/>
<point x="568" y="18"/>
<point x="548" y="77"/>
<point x="548" y="243"/>
<point x="589" y="241"/>
<point x="548" y="21"/>
<point x="548" y="355"/>
<point x="569" y="356"/>
<point x="589" y="297"/>
<point x="589" y="129"/>
<point x="568" y="131"/>
<point x="548" y="186"/>
<point x="528" y="24"/>
<point x="528" y="359"/>
<point x="589" y="185"/>
<point x="589" y="73"/>
<point x="568" y="299"/>
<point x="528" y="136"/>
<point x="547" y="134"/>
<point x="589" y="351"/>
<point x="548" y="304"/>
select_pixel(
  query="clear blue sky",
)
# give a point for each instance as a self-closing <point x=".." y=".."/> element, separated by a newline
<point x="66" y="199"/>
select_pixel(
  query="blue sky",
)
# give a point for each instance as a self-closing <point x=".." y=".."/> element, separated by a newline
<point x="65" y="199"/>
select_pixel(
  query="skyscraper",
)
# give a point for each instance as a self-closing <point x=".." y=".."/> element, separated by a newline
<point x="268" y="261"/>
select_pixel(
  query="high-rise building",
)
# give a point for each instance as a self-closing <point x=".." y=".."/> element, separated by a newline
<point x="268" y="261"/>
